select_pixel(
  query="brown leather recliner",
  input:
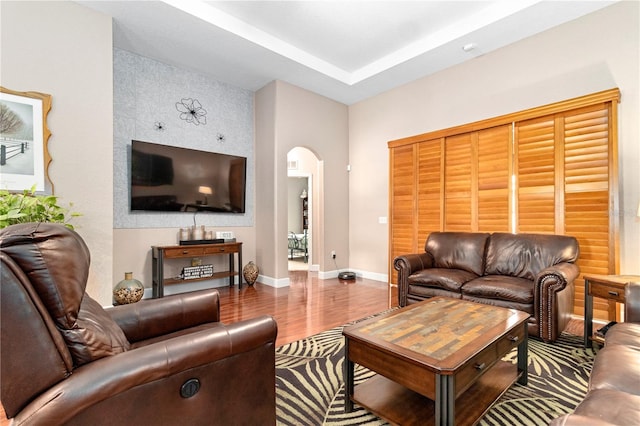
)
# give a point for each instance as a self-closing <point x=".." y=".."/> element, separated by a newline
<point x="66" y="360"/>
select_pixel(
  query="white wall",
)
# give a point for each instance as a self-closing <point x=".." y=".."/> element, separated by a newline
<point x="65" y="50"/>
<point x="597" y="52"/>
<point x="287" y="117"/>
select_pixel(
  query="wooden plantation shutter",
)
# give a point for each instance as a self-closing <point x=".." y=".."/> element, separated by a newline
<point x="430" y="189"/>
<point x="459" y="176"/>
<point x="563" y="184"/>
<point x="402" y="199"/>
<point x="494" y="179"/>
<point x="535" y="176"/>
<point x="551" y="169"/>
<point x="586" y="140"/>
<point x="477" y="176"/>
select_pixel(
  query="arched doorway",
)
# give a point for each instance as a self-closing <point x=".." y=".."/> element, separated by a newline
<point x="303" y="195"/>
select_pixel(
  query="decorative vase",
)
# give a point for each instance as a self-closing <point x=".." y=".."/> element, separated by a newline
<point x="128" y="290"/>
<point x="250" y="272"/>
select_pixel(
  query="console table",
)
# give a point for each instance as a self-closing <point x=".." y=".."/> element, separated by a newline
<point x="162" y="253"/>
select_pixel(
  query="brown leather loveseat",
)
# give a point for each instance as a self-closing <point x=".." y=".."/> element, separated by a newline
<point x="66" y="360"/>
<point x="533" y="273"/>
<point x="614" y="385"/>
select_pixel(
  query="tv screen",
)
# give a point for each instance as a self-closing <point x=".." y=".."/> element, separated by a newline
<point x="170" y="178"/>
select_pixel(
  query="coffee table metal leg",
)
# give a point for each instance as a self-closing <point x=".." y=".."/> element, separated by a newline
<point x="523" y="358"/>
<point x="348" y="378"/>
<point x="445" y="400"/>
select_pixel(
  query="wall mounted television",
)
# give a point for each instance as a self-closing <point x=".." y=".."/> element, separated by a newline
<point x="174" y="179"/>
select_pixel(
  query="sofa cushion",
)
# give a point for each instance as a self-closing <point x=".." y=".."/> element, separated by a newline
<point x="418" y="293"/>
<point x="616" y="367"/>
<point x="500" y="287"/>
<point x="525" y="255"/>
<point x="458" y="250"/>
<point x="524" y="307"/>
<point x="624" y="333"/>
<point x="611" y="406"/>
<point x="446" y="279"/>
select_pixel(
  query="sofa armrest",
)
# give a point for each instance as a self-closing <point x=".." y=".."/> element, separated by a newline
<point x="632" y="302"/>
<point x="155" y="317"/>
<point x="554" y="298"/>
<point x="407" y="265"/>
<point x="130" y="381"/>
<point x="578" y="420"/>
<point x="558" y="275"/>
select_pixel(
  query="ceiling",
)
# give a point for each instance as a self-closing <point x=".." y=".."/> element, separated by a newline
<point x="344" y="50"/>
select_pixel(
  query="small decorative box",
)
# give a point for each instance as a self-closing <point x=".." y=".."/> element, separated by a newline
<point x="199" y="271"/>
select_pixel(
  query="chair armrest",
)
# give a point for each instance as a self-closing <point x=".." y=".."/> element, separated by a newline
<point x="155" y="317"/>
<point x="632" y="302"/>
<point x="406" y="265"/>
<point x="159" y="368"/>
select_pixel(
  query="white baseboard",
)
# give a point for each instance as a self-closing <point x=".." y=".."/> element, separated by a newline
<point x="327" y="275"/>
<point x="273" y="282"/>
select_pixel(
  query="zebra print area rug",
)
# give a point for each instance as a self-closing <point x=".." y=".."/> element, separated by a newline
<point x="310" y="388"/>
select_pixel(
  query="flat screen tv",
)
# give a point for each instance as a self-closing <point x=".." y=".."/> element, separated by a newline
<point x="170" y="178"/>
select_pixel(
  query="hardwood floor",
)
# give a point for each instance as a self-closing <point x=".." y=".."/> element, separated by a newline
<point x="308" y="306"/>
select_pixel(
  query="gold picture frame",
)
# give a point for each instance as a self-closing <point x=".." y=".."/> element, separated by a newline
<point x="24" y="139"/>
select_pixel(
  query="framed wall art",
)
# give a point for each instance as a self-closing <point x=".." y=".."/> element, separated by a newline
<point x="24" y="135"/>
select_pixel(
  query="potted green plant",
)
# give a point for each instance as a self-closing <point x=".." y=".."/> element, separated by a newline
<point x="31" y="207"/>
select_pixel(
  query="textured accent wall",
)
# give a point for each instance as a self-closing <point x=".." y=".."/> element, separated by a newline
<point x="145" y="93"/>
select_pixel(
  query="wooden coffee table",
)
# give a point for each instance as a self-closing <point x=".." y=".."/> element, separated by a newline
<point x="438" y="361"/>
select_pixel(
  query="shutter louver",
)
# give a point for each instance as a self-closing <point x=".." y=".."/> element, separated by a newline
<point x="535" y="164"/>
<point x="402" y="204"/>
<point x="586" y="153"/>
<point x="429" y="189"/>
<point x="457" y="181"/>
<point x="494" y="177"/>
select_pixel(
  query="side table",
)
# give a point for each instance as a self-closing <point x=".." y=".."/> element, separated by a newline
<point x="609" y="287"/>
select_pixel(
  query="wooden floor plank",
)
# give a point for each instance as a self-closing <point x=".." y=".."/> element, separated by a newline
<point x="308" y="306"/>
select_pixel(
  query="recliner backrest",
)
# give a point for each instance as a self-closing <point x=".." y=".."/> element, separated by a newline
<point x="458" y="250"/>
<point x="33" y="354"/>
<point x="525" y="255"/>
